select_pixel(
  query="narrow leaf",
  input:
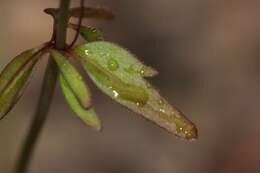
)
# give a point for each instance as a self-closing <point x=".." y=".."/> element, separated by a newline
<point x="74" y="79"/>
<point x="108" y="66"/>
<point x="87" y="115"/>
<point x="90" y="34"/>
<point x="13" y="79"/>
<point x="98" y="13"/>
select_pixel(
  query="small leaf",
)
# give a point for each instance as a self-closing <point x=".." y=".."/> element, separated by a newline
<point x="98" y="13"/>
<point x="118" y="74"/>
<point x="87" y="115"/>
<point x="90" y="34"/>
<point x="13" y="79"/>
<point x="74" y="79"/>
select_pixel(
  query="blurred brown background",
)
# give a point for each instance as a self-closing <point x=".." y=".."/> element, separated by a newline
<point x="207" y="53"/>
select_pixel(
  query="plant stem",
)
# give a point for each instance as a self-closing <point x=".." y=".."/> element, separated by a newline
<point x="47" y="91"/>
<point x="61" y="24"/>
<point x="39" y="118"/>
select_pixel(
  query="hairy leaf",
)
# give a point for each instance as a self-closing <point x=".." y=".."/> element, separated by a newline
<point x="88" y="12"/>
<point x="13" y="79"/>
<point x="90" y="34"/>
<point x="74" y="79"/>
<point x="120" y="75"/>
<point x="87" y="115"/>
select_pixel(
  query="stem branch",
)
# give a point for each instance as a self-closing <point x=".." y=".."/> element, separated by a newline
<point x="47" y="91"/>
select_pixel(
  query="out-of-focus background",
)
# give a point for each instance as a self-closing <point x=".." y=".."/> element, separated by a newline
<point x="207" y="53"/>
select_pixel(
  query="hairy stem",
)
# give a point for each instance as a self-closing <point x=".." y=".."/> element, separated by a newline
<point x="48" y="87"/>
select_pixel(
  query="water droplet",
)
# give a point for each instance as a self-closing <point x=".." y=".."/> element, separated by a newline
<point x="139" y="104"/>
<point x="186" y="132"/>
<point x="179" y="130"/>
<point x="112" y="65"/>
<point x="86" y="52"/>
<point x="162" y="110"/>
<point x="160" y="102"/>
<point x="142" y="71"/>
<point x="116" y="94"/>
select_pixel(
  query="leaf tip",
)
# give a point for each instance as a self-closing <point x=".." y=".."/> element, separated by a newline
<point x="149" y="72"/>
<point x="98" y="127"/>
<point x="95" y="123"/>
<point x="185" y="128"/>
<point x="191" y="134"/>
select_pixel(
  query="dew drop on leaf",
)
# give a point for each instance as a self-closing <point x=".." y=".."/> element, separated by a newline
<point x="160" y="102"/>
<point x="162" y="110"/>
<point x="86" y="52"/>
<point x="183" y="127"/>
<point x="112" y="64"/>
<point x="140" y="104"/>
<point x="116" y="94"/>
<point x="142" y="71"/>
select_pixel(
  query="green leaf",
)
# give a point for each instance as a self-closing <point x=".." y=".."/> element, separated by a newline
<point x="87" y="115"/>
<point x="74" y="79"/>
<point x="90" y="34"/>
<point x="13" y="79"/>
<point x="97" y="13"/>
<point x="120" y="75"/>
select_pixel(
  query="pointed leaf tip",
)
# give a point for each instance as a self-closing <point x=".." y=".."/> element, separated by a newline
<point x="74" y="79"/>
<point x="13" y="79"/>
<point x="88" y="116"/>
<point x="118" y="74"/>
